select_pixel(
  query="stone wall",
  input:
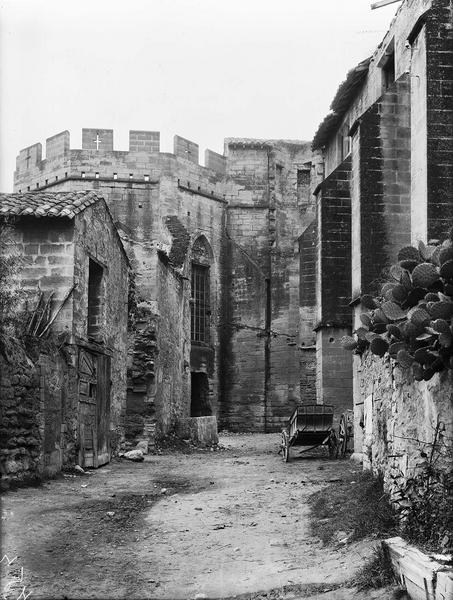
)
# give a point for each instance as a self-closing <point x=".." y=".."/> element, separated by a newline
<point x="399" y="416"/>
<point x="21" y="432"/>
<point x="39" y="411"/>
<point x="95" y="238"/>
<point x="334" y="367"/>
<point x="382" y="166"/>
<point x="267" y="212"/>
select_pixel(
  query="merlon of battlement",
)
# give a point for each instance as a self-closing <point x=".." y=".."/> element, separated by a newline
<point x="99" y="140"/>
<point x="185" y="149"/>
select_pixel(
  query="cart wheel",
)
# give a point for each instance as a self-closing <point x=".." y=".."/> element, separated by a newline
<point x="343" y="435"/>
<point x="332" y="444"/>
<point x="285" y="446"/>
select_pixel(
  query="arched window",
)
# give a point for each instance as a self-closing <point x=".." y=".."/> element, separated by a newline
<point x="200" y="293"/>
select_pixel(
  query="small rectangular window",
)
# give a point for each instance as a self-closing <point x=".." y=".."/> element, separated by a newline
<point x="146" y="177"/>
<point x="96" y="175"/>
<point x="83" y="174"/>
<point x="115" y="175"/>
<point x="388" y="71"/>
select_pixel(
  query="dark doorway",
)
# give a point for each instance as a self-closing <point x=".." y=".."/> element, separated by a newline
<point x="200" y="405"/>
<point x="95" y="300"/>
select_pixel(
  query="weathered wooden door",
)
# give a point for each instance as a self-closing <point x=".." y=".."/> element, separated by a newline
<point x="94" y="408"/>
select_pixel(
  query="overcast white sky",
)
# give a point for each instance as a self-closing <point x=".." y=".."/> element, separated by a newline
<point x="204" y="69"/>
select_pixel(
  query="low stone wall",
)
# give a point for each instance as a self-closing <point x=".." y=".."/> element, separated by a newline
<point x="200" y="430"/>
<point x="21" y="426"/>
<point x="399" y="417"/>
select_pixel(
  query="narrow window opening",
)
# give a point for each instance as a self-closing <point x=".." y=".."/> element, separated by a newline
<point x="115" y="175"/>
<point x="56" y="177"/>
<point x="47" y="181"/>
<point x="95" y="300"/>
<point x="83" y="174"/>
<point x="146" y="177"/>
<point x="131" y="175"/>
<point x="200" y="314"/>
<point x="96" y="175"/>
<point x="388" y="71"/>
<point x="28" y="188"/>
<point x="37" y="185"/>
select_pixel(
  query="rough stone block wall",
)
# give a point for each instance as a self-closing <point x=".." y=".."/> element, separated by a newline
<point x="144" y="141"/>
<point x="57" y="145"/>
<point x="334" y="238"/>
<point x="48" y="263"/>
<point x="215" y="161"/>
<point x="399" y="417"/>
<point x="334" y="371"/>
<point x="172" y="400"/>
<point x="384" y="172"/>
<point x="21" y="432"/>
<point x="185" y="149"/>
<point x="97" y="139"/>
<point x="439" y="60"/>
<point x="96" y="237"/>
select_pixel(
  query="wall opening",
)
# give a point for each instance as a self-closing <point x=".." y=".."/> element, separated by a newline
<point x="200" y="304"/>
<point x="199" y="402"/>
<point x="95" y="300"/>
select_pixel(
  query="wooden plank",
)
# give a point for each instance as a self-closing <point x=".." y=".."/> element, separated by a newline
<point x="382" y="3"/>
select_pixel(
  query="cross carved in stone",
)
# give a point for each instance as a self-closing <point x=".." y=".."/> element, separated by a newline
<point x="97" y="141"/>
<point x="28" y="158"/>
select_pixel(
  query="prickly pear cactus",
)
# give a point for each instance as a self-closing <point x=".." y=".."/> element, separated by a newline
<point x="412" y="318"/>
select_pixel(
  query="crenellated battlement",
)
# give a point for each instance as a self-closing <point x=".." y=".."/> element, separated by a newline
<point x="97" y="158"/>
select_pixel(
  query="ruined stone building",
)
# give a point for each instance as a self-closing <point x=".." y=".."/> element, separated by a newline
<point x="247" y="271"/>
<point x="387" y="146"/>
<point x="214" y="253"/>
<point x="67" y="405"/>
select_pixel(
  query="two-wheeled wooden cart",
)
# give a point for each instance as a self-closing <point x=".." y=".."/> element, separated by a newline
<point x="310" y="426"/>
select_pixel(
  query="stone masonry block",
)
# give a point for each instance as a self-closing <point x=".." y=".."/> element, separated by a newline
<point x="144" y="141"/>
<point x="97" y="139"/>
<point x="29" y="157"/>
<point x="185" y="149"/>
<point x="57" y="145"/>
<point x="215" y="161"/>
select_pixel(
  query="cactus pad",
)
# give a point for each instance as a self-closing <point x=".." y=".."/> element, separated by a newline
<point x="445" y="254"/>
<point x="408" y="253"/>
<point x="419" y="316"/>
<point x="399" y="293"/>
<point x="368" y="301"/>
<point x="440" y="326"/>
<point x="424" y="275"/>
<point x="395" y="348"/>
<point x="445" y="340"/>
<point x="446" y="270"/>
<point x="393" y="311"/>
<point x="366" y="320"/>
<point x="348" y="342"/>
<point x="404" y="359"/>
<point x="379" y="346"/>
<point x="409" y="265"/>
<point x="406" y="280"/>
<point x="440" y="310"/>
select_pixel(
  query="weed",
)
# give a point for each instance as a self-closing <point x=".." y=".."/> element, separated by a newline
<point x="376" y="573"/>
<point x="356" y="505"/>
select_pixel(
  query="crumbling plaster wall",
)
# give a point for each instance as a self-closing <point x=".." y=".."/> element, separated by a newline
<point x="398" y="416"/>
<point x="96" y="237"/>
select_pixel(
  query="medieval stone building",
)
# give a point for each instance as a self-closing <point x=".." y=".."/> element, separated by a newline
<point x="247" y="271"/>
<point x="387" y="147"/>
<point x="215" y="256"/>
<point x="67" y="405"/>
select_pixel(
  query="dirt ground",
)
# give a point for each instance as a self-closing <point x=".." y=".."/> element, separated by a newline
<point x="210" y="524"/>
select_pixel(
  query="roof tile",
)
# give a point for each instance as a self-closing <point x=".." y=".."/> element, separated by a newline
<point x="47" y="204"/>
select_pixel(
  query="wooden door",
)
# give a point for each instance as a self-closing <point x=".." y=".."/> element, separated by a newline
<point x="94" y="409"/>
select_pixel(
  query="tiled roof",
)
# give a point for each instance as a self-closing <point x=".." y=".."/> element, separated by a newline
<point x="340" y="104"/>
<point x="47" y="204"/>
